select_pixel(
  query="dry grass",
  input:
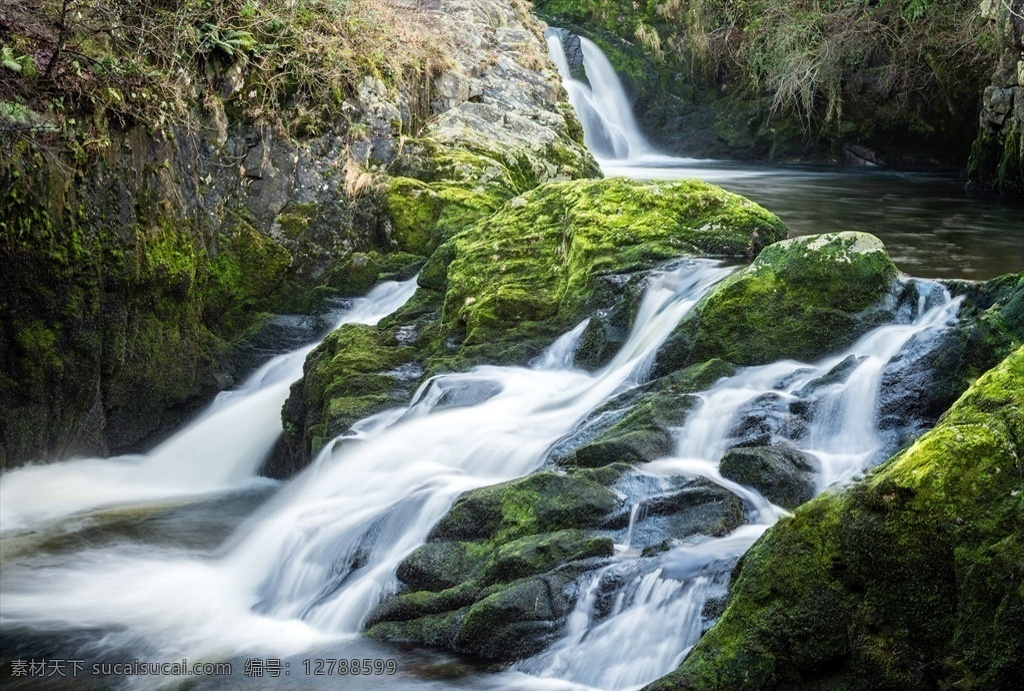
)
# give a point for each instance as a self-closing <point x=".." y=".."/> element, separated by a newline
<point x="153" y="60"/>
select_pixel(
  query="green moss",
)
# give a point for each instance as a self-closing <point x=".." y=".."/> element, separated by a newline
<point x="486" y="559"/>
<point x="912" y="578"/>
<point x="537" y="260"/>
<point x="244" y="274"/>
<point x="801" y="299"/>
<point x="1011" y="167"/>
<point x="543" y="501"/>
<point x="424" y="215"/>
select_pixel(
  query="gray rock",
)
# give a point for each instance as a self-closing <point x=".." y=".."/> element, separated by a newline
<point x="783" y="474"/>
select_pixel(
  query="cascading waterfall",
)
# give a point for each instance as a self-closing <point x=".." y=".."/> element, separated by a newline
<point x="659" y="601"/>
<point x="314" y="562"/>
<point x="199" y="458"/>
<point x="609" y="128"/>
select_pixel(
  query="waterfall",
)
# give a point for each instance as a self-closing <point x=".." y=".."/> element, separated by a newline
<point x="609" y="128"/>
<point x="309" y="566"/>
<point x="659" y="601"/>
<point x="197" y="459"/>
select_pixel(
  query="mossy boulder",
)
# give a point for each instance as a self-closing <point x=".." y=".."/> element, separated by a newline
<point x="494" y="577"/>
<point x="801" y="298"/>
<point x="645" y="431"/>
<point x="783" y="474"/>
<point x="533" y="265"/>
<point x="912" y="578"/>
<point x="502" y="286"/>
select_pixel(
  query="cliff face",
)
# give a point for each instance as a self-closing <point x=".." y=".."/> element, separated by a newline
<point x="997" y="158"/>
<point x="141" y="255"/>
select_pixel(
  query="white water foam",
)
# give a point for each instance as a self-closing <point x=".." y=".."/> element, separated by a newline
<point x="316" y="560"/>
<point x="222" y="448"/>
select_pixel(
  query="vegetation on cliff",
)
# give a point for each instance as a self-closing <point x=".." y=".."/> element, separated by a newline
<point x="802" y="79"/>
<point x="255" y="143"/>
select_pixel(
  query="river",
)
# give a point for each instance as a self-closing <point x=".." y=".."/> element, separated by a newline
<point x="152" y="559"/>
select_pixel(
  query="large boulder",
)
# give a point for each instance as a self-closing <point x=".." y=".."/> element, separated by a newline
<point x="911" y="578"/>
<point x="501" y="286"/>
<point x="801" y="298"/>
<point x="494" y="578"/>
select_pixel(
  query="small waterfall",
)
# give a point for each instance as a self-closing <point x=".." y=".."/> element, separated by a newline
<point x="659" y="601"/>
<point x="314" y="562"/>
<point x="609" y="128"/>
<point x="199" y="458"/>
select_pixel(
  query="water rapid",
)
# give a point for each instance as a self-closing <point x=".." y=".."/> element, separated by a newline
<point x="199" y="458"/>
<point x="659" y="604"/>
<point x="311" y="564"/>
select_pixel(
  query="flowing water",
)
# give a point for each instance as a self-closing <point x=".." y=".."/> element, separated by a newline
<point x="185" y="553"/>
<point x="200" y="458"/>
<point x="929" y="224"/>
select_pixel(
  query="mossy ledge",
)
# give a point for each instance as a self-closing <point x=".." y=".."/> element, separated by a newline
<point x="507" y="283"/>
<point x="913" y="578"/>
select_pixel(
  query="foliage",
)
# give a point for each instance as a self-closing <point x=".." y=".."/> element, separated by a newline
<point x="152" y="61"/>
<point x="811" y="57"/>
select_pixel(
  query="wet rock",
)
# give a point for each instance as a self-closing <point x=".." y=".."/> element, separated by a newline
<point x="646" y="431"/>
<point x="919" y="562"/>
<point x="701" y="509"/>
<point x="545" y="499"/>
<point x="933" y="370"/>
<point x="801" y="299"/>
<point x="783" y="474"/>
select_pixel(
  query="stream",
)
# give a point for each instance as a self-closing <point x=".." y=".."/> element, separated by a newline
<point x="184" y="555"/>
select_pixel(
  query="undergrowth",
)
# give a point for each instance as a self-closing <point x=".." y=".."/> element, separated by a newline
<point x="809" y="55"/>
<point x="65" y="63"/>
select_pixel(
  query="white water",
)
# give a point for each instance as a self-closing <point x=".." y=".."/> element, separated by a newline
<point x="609" y="128"/>
<point x="658" y="610"/>
<point x="310" y="566"/>
<point x="222" y="448"/>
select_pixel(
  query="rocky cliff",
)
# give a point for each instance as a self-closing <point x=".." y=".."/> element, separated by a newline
<point x="997" y="158"/>
<point x="148" y="224"/>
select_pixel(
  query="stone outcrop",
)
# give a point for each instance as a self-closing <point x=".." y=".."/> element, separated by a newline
<point x="134" y="270"/>
<point x="997" y="158"/>
<point x="510" y="282"/>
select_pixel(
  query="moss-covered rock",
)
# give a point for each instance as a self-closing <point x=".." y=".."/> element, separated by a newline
<point x="783" y="474"/>
<point x="493" y="578"/>
<point x="541" y="502"/>
<point x="533" y="265"/>
<point x="802" y="298"/>
<point x="912" y="578"/>
<point x="504" y="285"/>
<point x="645" y="432"/>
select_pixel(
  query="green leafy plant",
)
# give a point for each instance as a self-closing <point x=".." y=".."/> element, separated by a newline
<point x="22" y="64"/>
